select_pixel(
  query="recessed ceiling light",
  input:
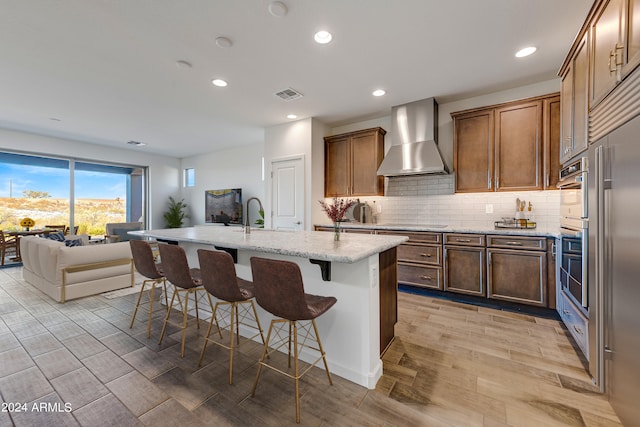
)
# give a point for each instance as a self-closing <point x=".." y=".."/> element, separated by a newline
<point x="223" y="42"/>
<point x="323" y="37"/>
<point x="219" y="82"/>
<point x="379" y="92"/>
<point x="525" y="52"/>
<point x="292" y="116"/>
<point x="278" y="9"/>
<point x="136" y="143"/>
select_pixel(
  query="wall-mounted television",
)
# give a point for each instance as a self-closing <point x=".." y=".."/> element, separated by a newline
<point x="223" y="206"/>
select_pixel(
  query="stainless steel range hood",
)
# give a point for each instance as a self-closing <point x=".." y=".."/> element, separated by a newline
<point x="414" y="129"/>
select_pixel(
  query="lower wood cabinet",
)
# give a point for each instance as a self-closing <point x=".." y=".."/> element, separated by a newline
<point x="512" y="268"/>
<point x="517" y="269"/>
<point x="464" y="261"/>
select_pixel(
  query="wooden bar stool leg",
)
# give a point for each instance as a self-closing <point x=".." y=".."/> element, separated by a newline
<point x="166" y="319"/>
<point x="324" y="358"/>
<point x="135" y="311"/>
<point x="184" y="322"/>
<point x="264" y="354"/>
<point x="295" y="361"/>
<point x="232" y="316"/>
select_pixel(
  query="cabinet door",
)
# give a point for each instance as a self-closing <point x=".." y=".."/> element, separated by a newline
<point x="366" y="158"/>
<point x="517" y="276"/>
<point x="632" y="45"/>
<point x="566" y="97"/>
<point x="551" y="108"/>
<point x="605" y="52"/>
<point x="336" y="172"/>
<point x="464" y="270"/>
<point x="473" y="153"/>
<point x="519" y="147"/>
<point x="580" y="99"/>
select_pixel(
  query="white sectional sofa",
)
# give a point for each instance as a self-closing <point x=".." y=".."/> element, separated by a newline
<point x="66" y="273"/>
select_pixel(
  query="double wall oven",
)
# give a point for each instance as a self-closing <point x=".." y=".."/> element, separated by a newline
<point x="574" y="220"/>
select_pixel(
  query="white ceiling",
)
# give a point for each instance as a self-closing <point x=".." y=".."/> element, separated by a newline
<point x="106" y="70"/>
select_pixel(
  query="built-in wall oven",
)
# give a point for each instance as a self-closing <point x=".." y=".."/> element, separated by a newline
<point x="574" y="220"/>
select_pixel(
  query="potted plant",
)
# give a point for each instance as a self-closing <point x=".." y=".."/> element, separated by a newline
<point x="175" y="215"/>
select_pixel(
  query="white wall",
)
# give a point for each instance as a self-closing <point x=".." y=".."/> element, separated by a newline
<point x="291" y="140"/>
<point x="164" y="172"/>
<point x="239" y="167"/>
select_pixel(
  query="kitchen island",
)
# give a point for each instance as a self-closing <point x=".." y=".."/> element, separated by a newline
<point x="359" y="270"/>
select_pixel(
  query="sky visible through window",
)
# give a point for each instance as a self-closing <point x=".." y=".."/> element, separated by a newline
<point x="14" y="179"/>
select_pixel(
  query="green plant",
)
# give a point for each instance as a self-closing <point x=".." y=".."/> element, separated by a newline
<point x="260" y="221"/>
<point x="175" y="214"/>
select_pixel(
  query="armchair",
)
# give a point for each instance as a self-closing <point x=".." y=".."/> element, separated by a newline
<point x="7" y="244"/>
<point x="118" y="231"/>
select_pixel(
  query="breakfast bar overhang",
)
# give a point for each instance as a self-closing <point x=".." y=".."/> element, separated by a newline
<point x="359" y="270"/>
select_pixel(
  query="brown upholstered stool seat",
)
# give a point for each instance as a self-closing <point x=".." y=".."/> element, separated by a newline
<point x="185" y="280"/>
<point x="280" y="291"/>
<point x="145" y="264"/>
<point x="235" y="301"/>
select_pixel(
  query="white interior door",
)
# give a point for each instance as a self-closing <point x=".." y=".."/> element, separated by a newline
<point x="287" y="192"/>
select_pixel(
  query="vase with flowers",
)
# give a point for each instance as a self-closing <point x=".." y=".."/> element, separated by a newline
<point x="336" y="211"/>
<point x="27" y="223"/>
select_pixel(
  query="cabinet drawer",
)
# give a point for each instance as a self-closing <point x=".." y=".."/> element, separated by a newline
<point x="416" y="275"/>
<point x="416" y="236"/>
<point x="421" y="254"/>
<point x="358" y="230"/>
<point x="464" y="239"/>
<point x="577" y="324"/>
<point x="517" y="242"/>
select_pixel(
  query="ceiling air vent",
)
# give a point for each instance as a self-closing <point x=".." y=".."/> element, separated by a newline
<point x="288" y="94"/>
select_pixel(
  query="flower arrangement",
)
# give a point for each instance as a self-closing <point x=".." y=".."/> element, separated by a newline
<point x="27" y="223"/>
<point x="336" y="211"/>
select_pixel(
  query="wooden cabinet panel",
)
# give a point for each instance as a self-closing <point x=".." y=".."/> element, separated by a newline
<point x="473" y="153"/>
<point x="519" y="147"/>
<point x="416" y="236"/>
<point x="388" y="262"/>
<point x="464" y="239"/>
<point x="365" y="159"/>
<point x="517" y="242"/>
<point x="337" y="166"/>
<point x="464" y="270"/>
<point x="551" y="110"/>
<point x="351" y="163"/>
<point x="575" y="105"/>
<point x="509" y="147"/>
<point x="632" y="51"/>
<point x="517" y="276"/>
<point x="605" y="49"/>
<point x="419" y="275"/>
<point x="420" y="254"/>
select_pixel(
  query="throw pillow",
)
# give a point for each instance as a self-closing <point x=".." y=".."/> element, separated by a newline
<point x="58" y="236"/>
<point x="73" y="242"/>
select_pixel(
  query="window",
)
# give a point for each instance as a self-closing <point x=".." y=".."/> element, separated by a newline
<point x="189" y="177"/>
<point x="68" y="192"/>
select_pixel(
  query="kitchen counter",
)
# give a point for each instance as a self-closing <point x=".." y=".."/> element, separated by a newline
<point x="362" y="276"/>
<point x="305" y="244"/>
<point x="553" y="232"/>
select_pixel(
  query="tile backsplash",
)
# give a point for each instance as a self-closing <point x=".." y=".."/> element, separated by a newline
<point x="430" y="199"/>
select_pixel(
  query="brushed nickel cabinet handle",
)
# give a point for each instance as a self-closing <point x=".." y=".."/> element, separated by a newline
<point x="513" y="243"/>
<point x="578" y="330"/>
<point x="463" y="240"/>
<point x="425" y="255"/>
<point x="426" y="277"/>
<point x="567" y="312"/>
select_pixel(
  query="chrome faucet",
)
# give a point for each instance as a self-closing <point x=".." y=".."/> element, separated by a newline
<point x="247" y="226"/>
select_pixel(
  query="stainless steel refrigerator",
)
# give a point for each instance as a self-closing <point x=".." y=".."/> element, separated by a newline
<point x="614" y="268"/>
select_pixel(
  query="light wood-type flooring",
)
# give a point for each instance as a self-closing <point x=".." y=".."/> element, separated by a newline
<point x="451" y="365"/>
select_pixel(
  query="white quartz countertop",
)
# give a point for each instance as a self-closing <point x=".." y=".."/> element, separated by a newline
<point x="305" y="244"/>
<point x="538" y="231"/>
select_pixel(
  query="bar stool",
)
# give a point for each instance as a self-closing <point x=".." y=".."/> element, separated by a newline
<point x="279" y="290"/>
<point x="220" y="280"/>
<point x="185" y="280"/>
<point x="145" y="264"/>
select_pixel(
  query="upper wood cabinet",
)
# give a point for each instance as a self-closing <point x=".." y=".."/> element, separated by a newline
<point x="351" y="163"/>
<point x="575" y="104"/>
<point x="507" y="147"/>
<point x="613" y="31"/>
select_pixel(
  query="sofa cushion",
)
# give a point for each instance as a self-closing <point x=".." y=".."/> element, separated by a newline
<point x="58" y="236"/>
<point x="72" y="242"/>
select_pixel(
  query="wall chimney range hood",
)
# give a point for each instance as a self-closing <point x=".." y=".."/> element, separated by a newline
<point x="414" y="150"/>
